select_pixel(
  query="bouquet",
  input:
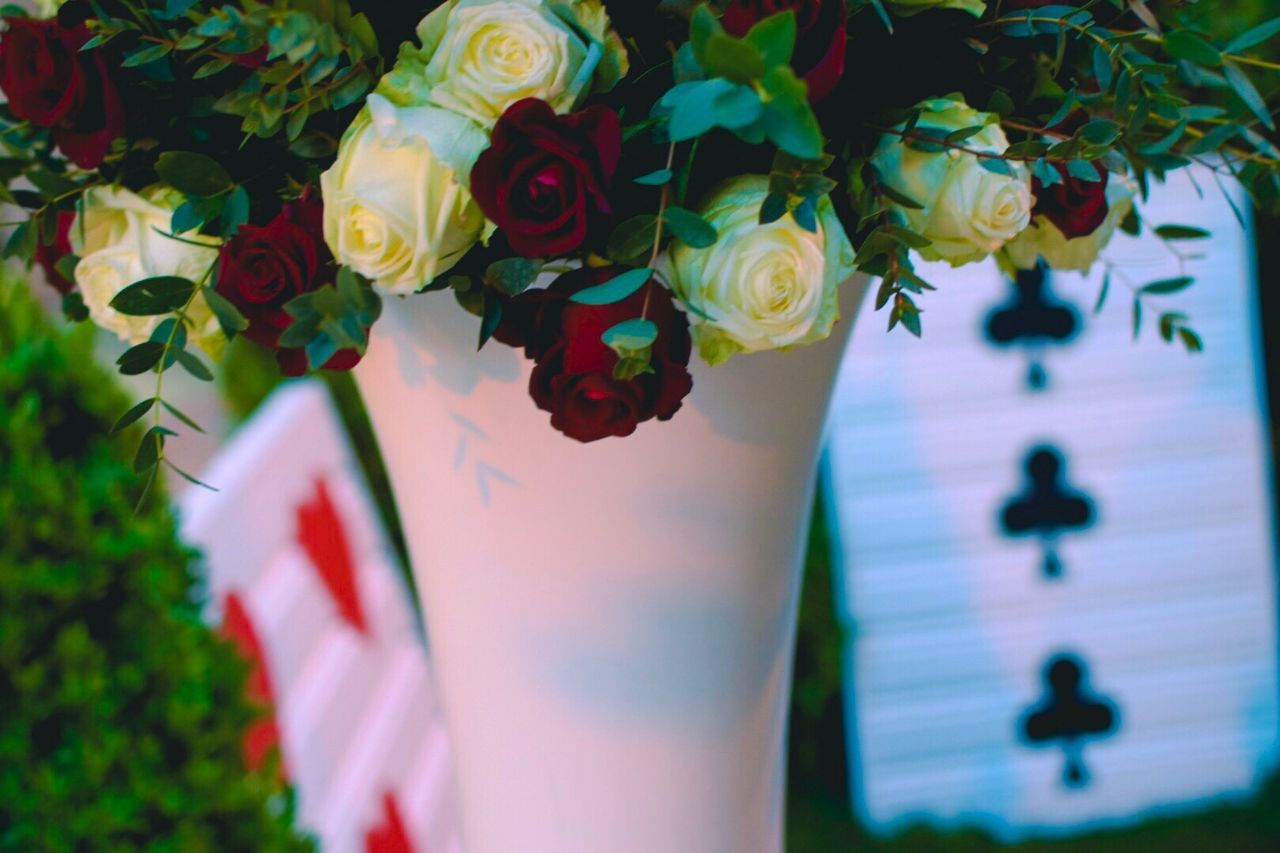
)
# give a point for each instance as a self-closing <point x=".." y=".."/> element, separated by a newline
<point x="609" y="185"/>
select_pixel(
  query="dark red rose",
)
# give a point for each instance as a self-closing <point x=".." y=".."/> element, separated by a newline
<point x="47" y="257"/>
<point x="49" y="82"/>
<point x="262" y="268"/>
<point x="1075" y="205"/>
<point x="573" y="375"/>
<point x="820" y="36"/>
<point x="544" y="179"/>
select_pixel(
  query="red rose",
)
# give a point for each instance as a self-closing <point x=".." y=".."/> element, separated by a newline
<point x="573" y="377"/>
<point x="1075" y="205"/>
<point x="820" y="36"/>
<point x="47" y="257"/>
<point x="544" y="179"/>
<point x="51" y="83"/>
<point x="262" y="268"/>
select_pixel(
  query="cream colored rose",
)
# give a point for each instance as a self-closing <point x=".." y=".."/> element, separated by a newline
<point x="392" y="211"/>
<point x="760" y="287"/>
<point x="1043" y="239"/>
<point x="968" y="210"/>
<point x="479" y="57"/>
<point x="122" y="237"/>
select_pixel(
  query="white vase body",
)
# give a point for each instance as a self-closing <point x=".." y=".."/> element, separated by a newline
<point x="612" y="624"/>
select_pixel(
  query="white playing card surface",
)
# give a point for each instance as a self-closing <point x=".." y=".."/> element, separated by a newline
<point x="1168" y="597"/>
<point x="359" y="719"/>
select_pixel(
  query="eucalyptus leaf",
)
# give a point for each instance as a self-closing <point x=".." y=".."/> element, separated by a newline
<point x="192" y="173"/>
<point x="615" y="289"/>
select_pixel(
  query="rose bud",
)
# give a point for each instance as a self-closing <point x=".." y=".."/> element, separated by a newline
<point x="262" y="268"/>
<point x="544" y="179"/>
<point x="574" y="374"/>
<point x="51" y="83"/>
<point x="820" y="36"/>
<point x="1075" y="205"/>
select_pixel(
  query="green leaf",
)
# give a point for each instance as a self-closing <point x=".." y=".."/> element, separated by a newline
<point x="805" y="215"/>
<point x="491" y="319"/>
<point x="186" y="218"/>
<point x="656" y="179"/>
<point x="1102" y="293"/>
<point x="700" y="106"/>
<point x="630" y="336"/>
<point x="899" y="198"/>
<point x="1101" y="131"/>
<point x="615" y="289"/>
<point x="906" y="237"/>
<point x="774" y="38"/>
<point x="1244" y="87"/>
<point x="690" y="228"/>
<point x="773" y="208"/>
<point x="1184" y="44"/>
<point x="172" y="334"/>
<point x="955" y="137"/>
<point x="731" y="58"/>
<point x="1182" y="232"/>
<point x="229" y="316"/>
<point x="1103" y="68"/>
<point x="235" y="212"/>
<point x="1253" y="37"/>
<point x="144" y="55"/>
<point x="210" y="68"/>
<point x="1166" y="286"/>
<point x="789" y="119"/>
<point x="150" y="450"/>
<point x="1029" y="148"/>
<point x="140" y="358"/>
<point x="631" y="238"/>
<point x="1190" y="340"/>
<point x="192" y="364"/>
<point x="997" y="166"/>
<point x="133" y="416"/>
<point x="512" y="276"/>
<point x="193" y="174"/>
<point x="177" y="413"/>
<point x="153" y="296"/>
<point x="1083" y="170"/>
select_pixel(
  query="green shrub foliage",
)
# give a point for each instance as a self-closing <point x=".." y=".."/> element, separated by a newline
<point x="122" y="716"/>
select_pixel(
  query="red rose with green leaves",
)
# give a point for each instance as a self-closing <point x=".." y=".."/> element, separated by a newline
<point x="1077" y="206"/>
<point x="573" y="377"/>
<point x="262" y="268"/>
<point x="51" y="83"/>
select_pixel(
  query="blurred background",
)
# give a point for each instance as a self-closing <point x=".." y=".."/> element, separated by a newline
<point x="1039" y="612"/>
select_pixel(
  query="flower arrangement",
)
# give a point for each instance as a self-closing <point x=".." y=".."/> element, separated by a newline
<point x="610" y="186"/>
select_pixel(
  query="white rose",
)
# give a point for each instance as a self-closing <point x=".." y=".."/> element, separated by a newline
<point x="121" y="238"/>
<point x="760" y="287"/>
<point x="968" y="211"/>
<point x="479" y="57"/>
<point x="1044" y="240"/>
<point x="392" y="211"/>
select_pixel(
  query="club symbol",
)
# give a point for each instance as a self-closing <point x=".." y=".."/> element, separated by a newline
<point x="1033" y="319"/>
<point x="1069" y="716"/>
<point x="1048" y="508"/>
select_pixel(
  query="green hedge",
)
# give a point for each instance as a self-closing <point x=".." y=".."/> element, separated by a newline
<point x="122" y="716"/>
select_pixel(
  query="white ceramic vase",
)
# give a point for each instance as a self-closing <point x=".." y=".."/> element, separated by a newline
<point x="612" y="625"/>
